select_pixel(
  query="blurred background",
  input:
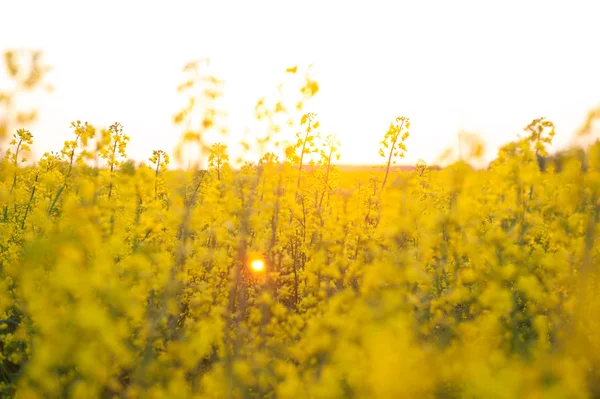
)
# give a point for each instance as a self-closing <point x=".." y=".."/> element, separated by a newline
<point x="482" y="67"/>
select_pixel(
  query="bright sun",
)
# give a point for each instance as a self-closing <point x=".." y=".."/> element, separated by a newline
<point x="257" y="265"/>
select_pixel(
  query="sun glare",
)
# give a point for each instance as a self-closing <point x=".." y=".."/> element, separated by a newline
<point x="257" y="265"/>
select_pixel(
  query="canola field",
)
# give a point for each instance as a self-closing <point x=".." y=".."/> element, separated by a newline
<point x="281" y="279"/>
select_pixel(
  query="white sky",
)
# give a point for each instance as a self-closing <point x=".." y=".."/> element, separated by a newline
<point x="485" y="66"/>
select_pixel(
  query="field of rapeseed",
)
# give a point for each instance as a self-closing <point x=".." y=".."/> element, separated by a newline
<point x="284" y="278"/>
